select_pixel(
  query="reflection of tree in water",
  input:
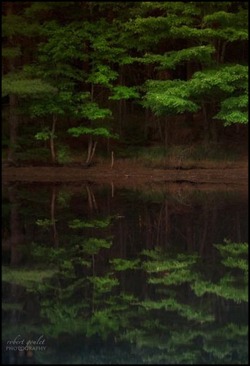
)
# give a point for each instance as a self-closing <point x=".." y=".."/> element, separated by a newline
<point x="161" y="327"/>
<point x="87" y="307"/>
<point x="14" y="235"/>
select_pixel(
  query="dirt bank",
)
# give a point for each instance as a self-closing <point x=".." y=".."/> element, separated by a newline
<point x="127" y="173"/>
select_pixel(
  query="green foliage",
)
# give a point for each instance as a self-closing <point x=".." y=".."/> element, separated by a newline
<point x="26" y="277"/>
<point x="102" y="75"/>
<point x="101" y="224"/>
<point x="184" y="310"/>
<point x="153" y="253"/>
<point x="173" y="97"/>
<point x="63" y="154"/>
<point x="232" y="249"/>
<point x="172" y="59"/>
<point x="92" y="111"/>
<point x="45" y="223"/>
<point x="171" y="271"/>
<point x="63" y="198"/>
<point x="234" y="110"/>
<point x="43" y="254"/>
<point x="102" y="323"/>
<point x="59" y="105"/>
<point x="104" y="283"/>
<point x="234" y="255"/>
<point x="15" y="84"/>
<point x="124" y="92"/>
<point x="17" y="25"/>
<point x="12" y="307"/>
<point x="236" y="263"/>
<point x="63" y="319"/>
<point x="44" y="135"/>
<point x="168" y="97"/>
<point x="226" y="79"/>
<point x="225" y="288"/>
<point x="77" y="63"/>
<point x="11" y="52"/>
<point x="93" y="245"/>
<point x="100" y="131"/>
<point x="168" y="264"/>
<point x="120" y="264"/>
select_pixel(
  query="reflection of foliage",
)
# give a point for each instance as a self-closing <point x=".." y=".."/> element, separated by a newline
<point x="236" y="263"/>
<point x="172" y="271"/>
<point x="26" y="277"/>
<point x="11" y="330"/>
<point x="12" y="307"/>
<point x="185" y="311"/>
<point x="93" y="245"/>
<point x="232" y="254"/>
<point x="93" y="296"/>
<point x="120" y="264"/>
<point x="169" y="264"/>
<point x="102" y="323"/>
<point x="45" y="223"/>
<point x="62" y="257"/>
<point x="103" y="283"/>
<point x="234" y="249"/>
<point x="229" y="341"/>
<point x="167" y="320"/>
<point x="79" y="224"/>
<point x="228" y="286"/>
<point x="176" y="277"/>
<point x="63" y="319"/>
<point x="225" y="288"/>
<point x="63" y="198"/>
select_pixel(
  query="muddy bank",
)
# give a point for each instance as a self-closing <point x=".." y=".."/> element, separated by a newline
<point x="128" y="174"/>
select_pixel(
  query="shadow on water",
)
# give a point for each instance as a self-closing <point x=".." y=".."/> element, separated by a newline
<point x="94" y="274"/>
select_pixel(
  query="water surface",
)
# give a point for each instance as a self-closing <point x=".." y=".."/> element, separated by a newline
<point x="93" y="274"/>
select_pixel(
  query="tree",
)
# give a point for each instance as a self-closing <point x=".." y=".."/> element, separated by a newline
<point x="95" y="65"/>
<point x="55" y="108"/>
<point x="18" y="84"/>
<point x="205" y="32"/>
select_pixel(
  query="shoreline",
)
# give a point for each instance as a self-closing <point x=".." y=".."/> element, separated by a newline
<point x="127" y="174"/>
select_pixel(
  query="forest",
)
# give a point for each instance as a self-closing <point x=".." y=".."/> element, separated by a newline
<point x="125" y="175"/>
<point x="83" y="81"/>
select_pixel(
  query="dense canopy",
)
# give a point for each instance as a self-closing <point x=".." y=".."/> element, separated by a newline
<point x="124" y="74"/>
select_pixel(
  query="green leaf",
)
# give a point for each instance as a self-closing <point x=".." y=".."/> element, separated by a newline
<point x="101" y="224"/>
<point x="124" y="92"/>
<point x="14" y="84"/>
<point x="81" y="130"/>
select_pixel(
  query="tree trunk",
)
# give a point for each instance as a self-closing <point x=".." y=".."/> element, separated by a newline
<point x="238" y="228"/>
<point x="52" y="216"/>
<point x="90" y="143"/>
<point x="146" y="125"/>
<point x="91" y="150"/>
<point x="16" y="236"/>
<point x="52" y="145"/>
<point x="214" y="131"/>
<point x="13" y="122"/>
<point x="166" y="137"/>
<point x="120" y="103"/>
<point x="213" y="124"/>
<point x="223" y="50"/>
<point x="203" y="240"/>
<point x="91" y="199"/>
<point x="205" y="123"/>
<point x="13" y="100"/>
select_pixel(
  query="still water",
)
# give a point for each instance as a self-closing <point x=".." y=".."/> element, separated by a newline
<point x="98" y="275"/>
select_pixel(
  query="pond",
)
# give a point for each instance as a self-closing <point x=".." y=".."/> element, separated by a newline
<point x="92" y="274"/>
